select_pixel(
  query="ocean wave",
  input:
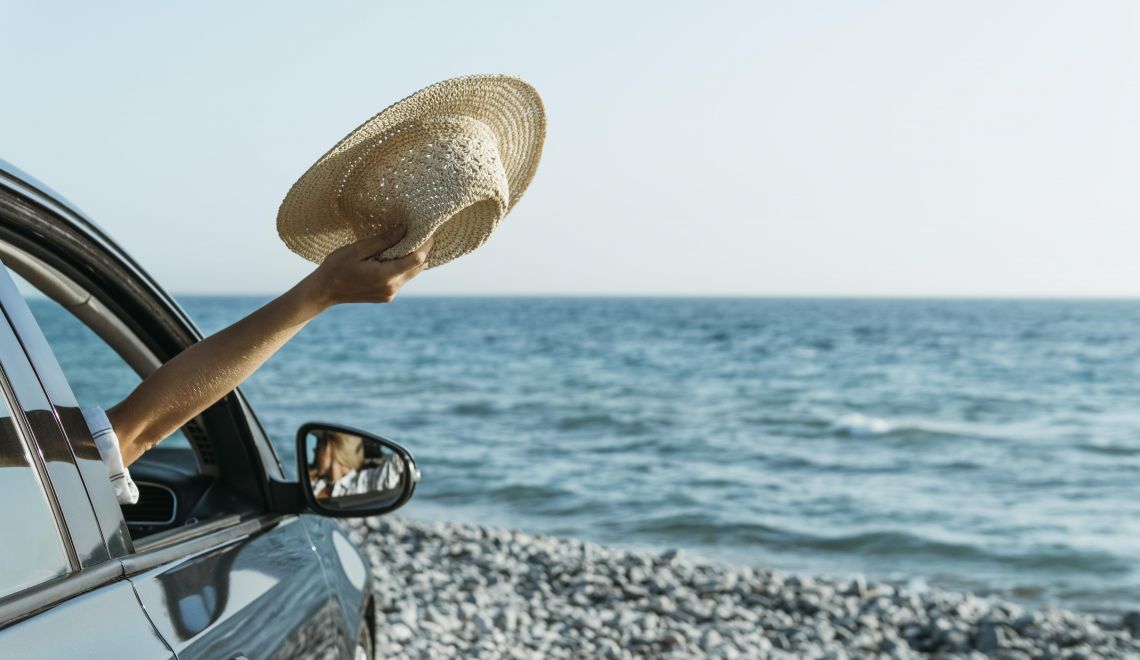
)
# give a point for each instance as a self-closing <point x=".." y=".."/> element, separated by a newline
<point x="604" y="421"/>
<point x="1109" y="450"/>
<point x="859" y="425"/>
<point x="535" y="494"/>
<point x="883" y="543"/>
<point x="474" y="409"/>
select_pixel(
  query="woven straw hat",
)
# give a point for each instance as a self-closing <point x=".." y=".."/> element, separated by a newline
<point x="450" y="160"/>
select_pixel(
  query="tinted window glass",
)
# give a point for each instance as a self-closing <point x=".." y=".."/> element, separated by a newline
<point x="33" y="550"/>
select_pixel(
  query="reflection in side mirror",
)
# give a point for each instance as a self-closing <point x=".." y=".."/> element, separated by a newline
<point x="347" y="472"/>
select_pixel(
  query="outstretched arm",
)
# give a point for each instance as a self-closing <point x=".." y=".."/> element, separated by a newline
<point x="202" y="374"/>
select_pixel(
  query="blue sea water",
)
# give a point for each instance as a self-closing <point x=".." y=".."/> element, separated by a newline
<point x="987" y="445"/>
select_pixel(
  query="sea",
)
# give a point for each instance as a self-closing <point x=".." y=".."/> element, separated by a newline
<point x="982" y="445"/>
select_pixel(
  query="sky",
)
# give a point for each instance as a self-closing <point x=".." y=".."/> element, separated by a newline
<point x="969" y="148"/>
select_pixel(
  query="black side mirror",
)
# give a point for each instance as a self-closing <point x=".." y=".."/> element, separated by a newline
<point x="345" y="472"/>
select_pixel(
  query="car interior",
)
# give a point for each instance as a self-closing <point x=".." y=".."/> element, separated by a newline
<point x="199" y="474"/>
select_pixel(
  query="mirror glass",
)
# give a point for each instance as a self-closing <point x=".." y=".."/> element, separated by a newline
<point x="348" y="472"/>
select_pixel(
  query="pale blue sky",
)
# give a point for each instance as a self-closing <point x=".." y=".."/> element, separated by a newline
<point x="824" y="148"/>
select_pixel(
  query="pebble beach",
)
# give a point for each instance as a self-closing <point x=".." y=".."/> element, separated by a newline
<point x="461" y="590"/>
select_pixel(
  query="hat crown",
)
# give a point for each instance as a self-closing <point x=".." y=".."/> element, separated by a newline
<point x="430" y="168"/>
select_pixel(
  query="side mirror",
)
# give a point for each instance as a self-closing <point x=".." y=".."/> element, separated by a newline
<point x="345" y="472"/>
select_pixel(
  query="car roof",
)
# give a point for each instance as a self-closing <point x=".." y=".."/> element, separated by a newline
<point x="76" y="218"/>
<point x="10" y="171"/>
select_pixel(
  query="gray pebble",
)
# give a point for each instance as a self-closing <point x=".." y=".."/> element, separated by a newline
<point x="663" y="605"/>
<point x="399" y="632"/>
<point x="990" y="638"/>
<point x="1131" y="622"/>
<point x="482" y="624"/>
<point x="710" y="639"/>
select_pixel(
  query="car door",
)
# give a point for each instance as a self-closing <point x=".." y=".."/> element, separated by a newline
<point x="253" y="590"/>
<point x="235" y="581"/>
<point x="61" y="595"/>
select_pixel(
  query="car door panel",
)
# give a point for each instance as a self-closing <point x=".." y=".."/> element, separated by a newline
<point x="261" y="596"/>
<point x="105" y="623"/>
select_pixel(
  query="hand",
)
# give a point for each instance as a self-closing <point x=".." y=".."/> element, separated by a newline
<point x="352" y="274"/>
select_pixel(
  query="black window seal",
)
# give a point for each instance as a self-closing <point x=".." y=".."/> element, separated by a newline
<point x="205" y="536"/>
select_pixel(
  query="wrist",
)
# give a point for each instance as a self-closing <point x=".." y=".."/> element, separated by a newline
<point x="312" y="295"/>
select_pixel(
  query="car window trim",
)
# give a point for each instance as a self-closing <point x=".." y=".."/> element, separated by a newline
<point x="194" y="540"/>
<point x="45" y="595"/>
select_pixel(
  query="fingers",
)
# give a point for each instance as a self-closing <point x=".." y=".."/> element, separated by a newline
<point x="415" y="260"/>
<point x="409" y="274"/>
<point x="425" y="250"/>
<point x="368" y="247"/>
<point x="393" y="274"/>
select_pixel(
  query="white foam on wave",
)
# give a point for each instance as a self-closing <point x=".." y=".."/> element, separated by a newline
<point x="858" y="424"/>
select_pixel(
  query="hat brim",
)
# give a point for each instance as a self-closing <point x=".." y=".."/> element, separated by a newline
<point x="307" y="220"/>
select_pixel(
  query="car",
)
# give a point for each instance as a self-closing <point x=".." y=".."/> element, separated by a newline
<point x="224" y="555"/>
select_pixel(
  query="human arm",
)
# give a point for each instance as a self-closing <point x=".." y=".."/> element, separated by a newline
<point x="205" y="372"/>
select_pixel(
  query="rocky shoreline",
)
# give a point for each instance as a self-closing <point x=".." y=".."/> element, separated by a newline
<point x="458" y="590"/>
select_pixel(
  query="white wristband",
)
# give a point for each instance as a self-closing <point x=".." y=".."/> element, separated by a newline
<point x="108" y="445"/>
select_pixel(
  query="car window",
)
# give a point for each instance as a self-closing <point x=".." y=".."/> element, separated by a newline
<point x="97" y="374"/>
<point x="107" y="327"/>
<point x="174" y="489"/>
<point x="33" y="548"/>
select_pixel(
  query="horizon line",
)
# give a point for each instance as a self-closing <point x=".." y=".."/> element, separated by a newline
<point x="727" y="296"/>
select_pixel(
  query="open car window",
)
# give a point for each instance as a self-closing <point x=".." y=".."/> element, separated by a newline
<point x="96" y="373"/>
<point x="177" y="488"/>
<point x="118" y="327"/>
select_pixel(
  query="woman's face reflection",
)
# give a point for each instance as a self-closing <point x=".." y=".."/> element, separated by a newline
<point x="338" y="454"/>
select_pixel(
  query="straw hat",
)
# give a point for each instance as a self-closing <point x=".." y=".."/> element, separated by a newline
<point x="450" y="160"/>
